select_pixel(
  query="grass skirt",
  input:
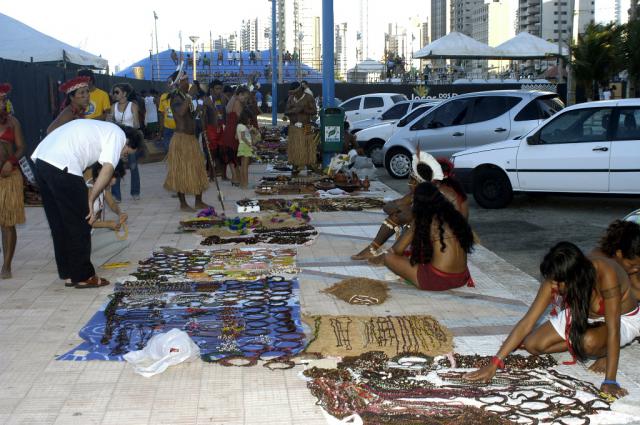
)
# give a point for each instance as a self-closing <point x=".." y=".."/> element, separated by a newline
<point x="301" y="147"/>
<point x="185" y="166"/>
<point x="11" y="199"/>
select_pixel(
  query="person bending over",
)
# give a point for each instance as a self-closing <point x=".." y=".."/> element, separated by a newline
<point x="107" y="198"/>
<point x="599" y="314"/>
<point x="621" y="243"/>
<point x="440" y="239"/>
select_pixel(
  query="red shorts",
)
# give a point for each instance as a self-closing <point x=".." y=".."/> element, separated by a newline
<point x="432" y="279"/>
<point x="214" y="135"/>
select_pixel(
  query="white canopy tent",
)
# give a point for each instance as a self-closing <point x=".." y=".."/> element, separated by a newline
<point x="456" y="45"/>
<point x="527" y="46"/>
<point x="368" y="71"/>
<point x="20" y="42"/>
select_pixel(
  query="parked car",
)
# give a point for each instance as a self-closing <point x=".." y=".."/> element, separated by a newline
<point x="591" y="147"/>
<point x="372" y="139"/>
<point x="466" y="121"/>
<point x="393" y="113"/>
<point x="368" y="105"/>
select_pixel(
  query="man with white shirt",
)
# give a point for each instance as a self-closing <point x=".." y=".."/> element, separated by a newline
<point x="60" y="160"/>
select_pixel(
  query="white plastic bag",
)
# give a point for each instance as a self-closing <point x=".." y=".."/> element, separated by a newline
<point x="162" y="351"/>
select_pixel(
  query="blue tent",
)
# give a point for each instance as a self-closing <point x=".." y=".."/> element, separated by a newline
<point x="208" y="67"/>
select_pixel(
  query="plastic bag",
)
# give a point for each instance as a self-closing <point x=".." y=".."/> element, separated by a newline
<point x="162" y="351"/>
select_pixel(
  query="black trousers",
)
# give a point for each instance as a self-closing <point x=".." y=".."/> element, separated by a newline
<point x="66" y="204"/>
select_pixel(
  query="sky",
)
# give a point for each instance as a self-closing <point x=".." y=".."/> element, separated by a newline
<point x="121" y="31"/>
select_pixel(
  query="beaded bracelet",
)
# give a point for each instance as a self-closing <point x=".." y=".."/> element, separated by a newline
<point x="611" y="382"/>
<point x="497" y="361"/>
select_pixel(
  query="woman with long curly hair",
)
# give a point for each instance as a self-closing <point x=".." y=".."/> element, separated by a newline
<point x="440" y="239"/>
<point x="599" y="314"/>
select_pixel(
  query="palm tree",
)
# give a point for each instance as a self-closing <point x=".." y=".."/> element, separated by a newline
<point x="597" y="56"/>
<point x="631" y="53"/>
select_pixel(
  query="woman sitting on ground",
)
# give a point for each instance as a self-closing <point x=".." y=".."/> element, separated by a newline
<point x="425" y="169"/>
<point x="599" y="314"/>
<point x="440" y="239"/>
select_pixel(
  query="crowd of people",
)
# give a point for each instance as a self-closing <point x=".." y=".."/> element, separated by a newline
<point x="210" y="130"/>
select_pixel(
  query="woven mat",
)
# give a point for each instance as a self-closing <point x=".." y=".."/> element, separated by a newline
<point x="360" y="290"/>
<point x="354" y="335"/>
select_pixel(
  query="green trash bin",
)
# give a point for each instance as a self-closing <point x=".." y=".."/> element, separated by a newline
<point x="331" y="133"/>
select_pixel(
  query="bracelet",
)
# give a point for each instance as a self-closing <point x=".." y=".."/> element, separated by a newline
<point x="611" y="382"/>
<point x="495" y="360"/>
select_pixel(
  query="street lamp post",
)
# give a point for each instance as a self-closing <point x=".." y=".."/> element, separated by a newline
<point x="274" y="80"/>
<point x="155" y="24"/>
<point x="328" y="71"/>
<point x="194" y="39"/>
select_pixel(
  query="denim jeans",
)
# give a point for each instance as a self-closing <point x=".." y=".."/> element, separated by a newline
<point x="135" y="178"/>
<point x="167" y="134"/>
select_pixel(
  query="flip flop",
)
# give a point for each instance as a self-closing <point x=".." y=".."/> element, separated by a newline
<point x="92" y="282"/>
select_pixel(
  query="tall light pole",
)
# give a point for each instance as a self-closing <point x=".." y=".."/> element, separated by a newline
<point x="194" y="39"/>
<point x="274" y="81"/>
<point x="155" y="25"/>
<point x="328" y="77"/>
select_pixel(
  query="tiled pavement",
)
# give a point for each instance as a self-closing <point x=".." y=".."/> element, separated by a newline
<point x="40" y="319"/>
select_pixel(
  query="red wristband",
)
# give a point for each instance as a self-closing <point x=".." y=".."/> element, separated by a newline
<point x="13" y="160"/>
<point x="495" y="360"/>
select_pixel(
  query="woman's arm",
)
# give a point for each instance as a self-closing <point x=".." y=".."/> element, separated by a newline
<point x="134" y="111"/>
<point x="19" y="138"/>
<point x="63" y="117"/>
<point x="518" y="333"/>
<point x="404" y="240"/>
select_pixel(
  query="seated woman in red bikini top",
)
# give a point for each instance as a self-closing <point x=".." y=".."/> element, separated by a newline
<point x="440" y="238"/>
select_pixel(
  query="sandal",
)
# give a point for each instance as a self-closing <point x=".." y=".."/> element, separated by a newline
<point x="93" y="282"/>
<point x="68" y="283"/>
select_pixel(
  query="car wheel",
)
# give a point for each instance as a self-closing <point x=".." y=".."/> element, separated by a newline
<point x="398" y="163"/>
<point x="374" y="151"/>
<point x="491" y="188"/>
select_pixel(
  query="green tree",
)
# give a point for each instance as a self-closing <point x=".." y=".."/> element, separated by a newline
<point x="631" y="54"/>
<point x="597" y="56"/>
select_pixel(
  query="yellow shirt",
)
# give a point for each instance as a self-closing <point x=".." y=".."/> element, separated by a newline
<point x="99" y="103"/>
<point x="164" y="106"/>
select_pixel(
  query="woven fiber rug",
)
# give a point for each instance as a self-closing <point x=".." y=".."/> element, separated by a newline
<point x="354" y="335"/>
<point x="360" y="290"/>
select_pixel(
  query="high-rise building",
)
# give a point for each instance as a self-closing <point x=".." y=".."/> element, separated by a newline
<point x="561" y="22"/>
<point x="490" y="26"/>
<point x="341" y="51"/>
<point x="362" y="36"/>
<point x="253" y="35"/>
<point x="529" y="17"/>
<point x="440" y="18"/>
<point x="462" y="15"/>
<point x="312" y="42"/>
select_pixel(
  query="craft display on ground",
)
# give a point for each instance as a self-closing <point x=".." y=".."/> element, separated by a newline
<point x="410" y="388"/>
<point x="220" y="264"/>
<point x="272" y="147"/>
<point x="360" y="290"/>
<point x="282" y="184"/>
<point x="301" y="235"/>
<point x="230" y="321"/>
<point x="354" y="335"/>
<point x="347" y="203"/>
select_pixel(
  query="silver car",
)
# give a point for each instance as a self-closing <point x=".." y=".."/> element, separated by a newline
<point x="466" y="121"/>
<point x="392" y="114"/>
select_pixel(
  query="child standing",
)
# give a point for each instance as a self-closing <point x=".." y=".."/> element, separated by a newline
<point x="245" y="147"/>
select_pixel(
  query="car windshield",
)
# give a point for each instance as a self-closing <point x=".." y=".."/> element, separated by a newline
<point x="413" y="115"/>
<point x="550" y="105"/>
<point x="398" y="98"/>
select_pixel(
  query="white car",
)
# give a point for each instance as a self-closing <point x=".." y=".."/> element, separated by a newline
<point x="393" y="114"/>
<point x="591" y="147"/>
<point x="372" y="139"/>
<point x="369" y="105"/>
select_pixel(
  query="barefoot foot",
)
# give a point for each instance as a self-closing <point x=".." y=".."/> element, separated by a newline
<point x="187" y="208"/>
<point x="599" y="366"/>
<point x="202" y="206"/>
<point x="365" y="254"/>
<point x="5" y="274"/>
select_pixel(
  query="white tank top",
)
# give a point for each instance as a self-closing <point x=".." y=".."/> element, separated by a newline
<point x="125" y="117"/>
